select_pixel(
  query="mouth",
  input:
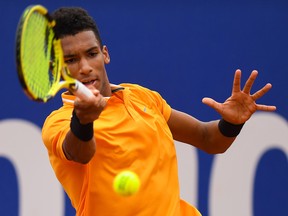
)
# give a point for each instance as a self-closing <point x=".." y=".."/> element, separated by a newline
<point x="89" y="83"/>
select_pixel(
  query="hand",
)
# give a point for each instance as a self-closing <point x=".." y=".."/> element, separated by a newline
<point x="240" y="106"/>
<point x="89" y="110"/>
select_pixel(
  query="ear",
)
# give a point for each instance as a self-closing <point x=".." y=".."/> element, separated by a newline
<point x="106" y="54"/>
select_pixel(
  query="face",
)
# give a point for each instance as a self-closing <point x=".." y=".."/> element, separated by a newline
<point x="86" y="60"/>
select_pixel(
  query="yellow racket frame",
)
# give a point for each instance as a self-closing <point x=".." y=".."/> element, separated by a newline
<point x="49" y="88"/>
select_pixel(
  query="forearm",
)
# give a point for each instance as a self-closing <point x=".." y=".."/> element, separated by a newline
<point x="203" y="135"/>
<point x="215" y="142"/>
<point x="78" y="150"/>
<point x="79" y="144"/>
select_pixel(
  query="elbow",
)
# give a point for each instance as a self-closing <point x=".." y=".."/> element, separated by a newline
<point x="85" y="157"/>
<point x="81" y="152"/>
<point x="83" y="161"/>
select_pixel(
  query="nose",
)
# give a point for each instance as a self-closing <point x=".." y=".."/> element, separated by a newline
<point x="84" y="66"/>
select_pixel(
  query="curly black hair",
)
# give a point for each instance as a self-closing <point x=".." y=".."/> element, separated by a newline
<point x="72" y="20"/>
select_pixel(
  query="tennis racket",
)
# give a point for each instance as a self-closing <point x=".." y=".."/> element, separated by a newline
<point x="39" y="58"/>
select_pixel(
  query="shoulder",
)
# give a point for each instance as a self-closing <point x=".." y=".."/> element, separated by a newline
<point x="151" y="98"/>
<point x="133" y="86"/>
<point x="141" y="91"/>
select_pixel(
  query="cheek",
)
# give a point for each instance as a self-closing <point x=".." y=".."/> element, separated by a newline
<point x="98" y="64"/>
<point x="73" y="69"/>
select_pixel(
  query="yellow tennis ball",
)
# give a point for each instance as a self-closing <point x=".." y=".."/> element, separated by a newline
<point x="126" y="183"/>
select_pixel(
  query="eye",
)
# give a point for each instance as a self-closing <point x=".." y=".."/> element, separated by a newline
<point x="93" y="53"/>
<point x="70" y="60"/>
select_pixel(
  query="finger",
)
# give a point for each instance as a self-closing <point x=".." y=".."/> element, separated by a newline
<point x="80" y="103"/>
<point x="265" y="107"/>
<point x="261" y="92"/>
<point x="96" y="92"/>
<point x="237" y="81"/>
<point x="76" y="103"/>
<point x="103" y="102"/>
<point x="250" y="81"/>
<point x="212" y="103"/>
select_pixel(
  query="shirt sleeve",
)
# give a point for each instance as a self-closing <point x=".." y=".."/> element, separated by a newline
<point x="54" y="131"/>
<point x="162" y="104"/>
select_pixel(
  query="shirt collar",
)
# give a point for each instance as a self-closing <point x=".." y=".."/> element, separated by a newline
<point x="69" y="99"/>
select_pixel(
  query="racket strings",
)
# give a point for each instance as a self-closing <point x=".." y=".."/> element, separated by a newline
<point x="38" y="55"/>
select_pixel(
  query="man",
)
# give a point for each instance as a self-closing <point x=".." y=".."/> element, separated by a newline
<point x="128" y="127"/>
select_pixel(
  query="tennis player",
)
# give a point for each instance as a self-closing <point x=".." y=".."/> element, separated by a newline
<point x="128" y="127"/>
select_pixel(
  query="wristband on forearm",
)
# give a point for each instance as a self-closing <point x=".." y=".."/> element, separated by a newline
<point x="83" y="132"/>
<point x="228" y="129"/>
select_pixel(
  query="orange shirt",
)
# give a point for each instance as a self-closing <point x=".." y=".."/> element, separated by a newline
<point x="131" y="134"/>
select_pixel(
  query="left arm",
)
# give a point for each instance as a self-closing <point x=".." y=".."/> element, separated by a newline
<point x="203" y="135"/>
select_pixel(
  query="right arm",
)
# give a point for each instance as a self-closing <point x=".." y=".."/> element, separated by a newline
<point x="78" y="150"/>
<point x="74" y="146"/>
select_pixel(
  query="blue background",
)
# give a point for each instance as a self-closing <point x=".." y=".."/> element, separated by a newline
<point x="185" y="50"/>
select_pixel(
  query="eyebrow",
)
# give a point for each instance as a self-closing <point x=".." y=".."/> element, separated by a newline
<point x="88" y="50"/>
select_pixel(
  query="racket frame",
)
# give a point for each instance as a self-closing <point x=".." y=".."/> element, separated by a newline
<point x="68" y="82"/>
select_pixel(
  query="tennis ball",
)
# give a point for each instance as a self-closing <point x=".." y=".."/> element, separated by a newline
<point x="126" y="183"/>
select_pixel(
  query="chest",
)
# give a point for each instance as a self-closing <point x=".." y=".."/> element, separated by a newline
<point x="131" y="127"/>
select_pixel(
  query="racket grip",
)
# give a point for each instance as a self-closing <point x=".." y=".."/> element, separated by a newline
<point x="82" y="91"/>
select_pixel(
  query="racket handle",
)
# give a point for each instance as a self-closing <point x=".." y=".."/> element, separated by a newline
<point x="82" y="91"/>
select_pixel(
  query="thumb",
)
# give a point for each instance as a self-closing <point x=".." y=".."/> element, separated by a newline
<point x="95" y="91"/>
<point x="210" y="102"/>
